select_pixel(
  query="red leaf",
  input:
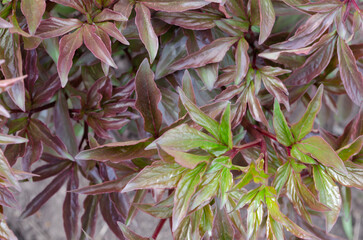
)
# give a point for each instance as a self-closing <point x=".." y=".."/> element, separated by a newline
<point x="111" y="30"/>
<point x="54" y="27"/>
<point x="67" y="47"/>
<point x="71" y="207"/>
<point x="111" y="215"/>
<point x="76" y="4"/>
<point x="189" y="20"/>
<point x="89" y="217"/>
<point x="39" y="131"/>
<point x="146" y="30"/>
<point x="109" y="15"/>
<point x="174" y="5"/>
<point x="95" y="44"/>
<point x="212" y="53"/>
<point x="307" y="33"/>
<point x="39" y="200"/>
<point x="315" y="64"/>
<point x="105" y="187"/>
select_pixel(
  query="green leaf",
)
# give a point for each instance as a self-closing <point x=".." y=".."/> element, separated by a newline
<point x="187" y="160"/>
<point x="354" y="178"/>
<point x="277" y="215"/>
<point x="226" y="182"/>
<point x="209" y="184"/>
<point x="8" y="139"/>
<point x="255" y="215"/>
<point x="274" y="230"/>
<point x="308" y="197"/>
<point x="198" y="116"/>
<point x="293" y="193"/>
<point x="130" y="234"/>
<point x="162" y="210"/>
<point x="206" y="221"/>
<point x="320" y="150"/>
<point x="184" y="192"/>
<point x="225" y="131"/>
<point x="296" y="153"/>
<point x="247" y="198"/>
<point x="159" y="175"/>
<point x="281" y="176"/>
<point x="305" y="124"/>
<point x="350" y="150"/>
<point x="329" y="195"/>
<point x="282" y="130"/>
<point x="185" y="138"/>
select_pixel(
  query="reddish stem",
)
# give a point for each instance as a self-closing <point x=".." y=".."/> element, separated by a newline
<point x="355" y="4"/>
<point x="265" y="133"/>
<point x="158" y="228"/>
<point x="233" y="152"/>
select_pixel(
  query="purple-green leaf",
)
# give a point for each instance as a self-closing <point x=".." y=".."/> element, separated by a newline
<point x="320" y="150"/>
<point x="67" y="48"/>
<point x="146" y="30"/>
<point x="212" y="53"/>
<point x="198" y="116"/>
<point x="184" y="192"/>
<point x="158" y="175"/>
<point x="95" y="44"/>
<point x="130" y="234"/>
<point x="329" y="195"/>
<point x="116" y="185"/>
<point x="148" y="97"/>
<point x="352" y="149"/>
<point x="33" y="11"/>
<point x="315" y="64"/>
<point x="109" y="15"/>
<point x="174" y="5"/>
<point x="10" y="51"/>
<point x="267" y="19"/>
<point x="184" y="138"/>
<point x="119" y="151"/>
<point x="242" y="60"/>
<point x="54" y="27"/>
<point x="112" y="30"/>
<point x="351" y="77"/>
